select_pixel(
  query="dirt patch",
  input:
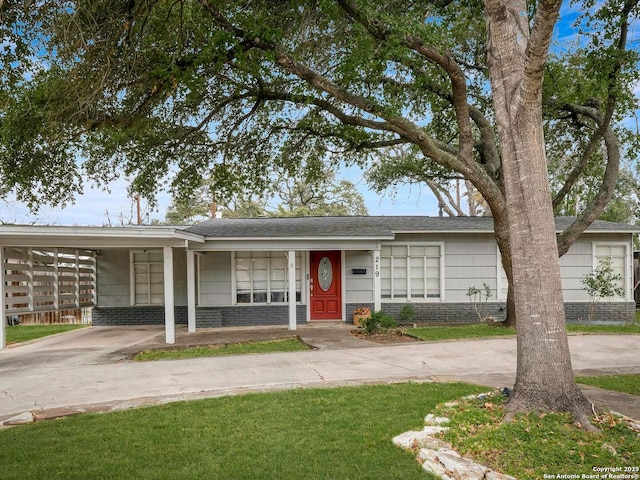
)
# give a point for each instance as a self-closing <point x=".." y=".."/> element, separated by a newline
<point x="388" y="337"/>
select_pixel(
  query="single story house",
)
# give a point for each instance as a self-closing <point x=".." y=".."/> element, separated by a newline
<point x="285" y="271"/>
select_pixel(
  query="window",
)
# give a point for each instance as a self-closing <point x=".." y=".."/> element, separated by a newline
<point x="147" y="277"/>
<point x="410" y="271"/>
<point x="262" y="277"/>
<point x="617" y="256"/>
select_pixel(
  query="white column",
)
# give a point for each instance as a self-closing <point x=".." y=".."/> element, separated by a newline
<point x="377" y="300"/>
<point x="3" y="303"/>
<point x="169" y="318"/>
<point x="292" y="290"/>
<point x="191" y="291"/>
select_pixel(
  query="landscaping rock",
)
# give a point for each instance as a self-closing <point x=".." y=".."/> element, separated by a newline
<point x="432" y="465"/>
<point x="437" y="456"/>
<point x="431" y="419"/>
<point x="493" y="475"/>
<point x="415" y="439"/>
<point x="21" y="419"/>
<point x="461" y="468"/>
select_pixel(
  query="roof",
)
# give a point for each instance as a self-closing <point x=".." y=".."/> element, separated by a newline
<point x="365" y="227"/>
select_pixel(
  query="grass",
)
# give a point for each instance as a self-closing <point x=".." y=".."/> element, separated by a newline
<point x="627" y="328"/>
<point x="537" y="444"/>
<point x="619" y="383"/>
<point x="280" y="345"/>
<point x="340" y="433"/>
<point x="24" y="333"/>
<point x="480" y="330"/>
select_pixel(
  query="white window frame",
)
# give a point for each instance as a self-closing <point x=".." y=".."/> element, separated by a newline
<point x="628" y="271"/>
<point x="300" y="265"/>
<point x="408" y="298"/>
<point x="132" y="276"/>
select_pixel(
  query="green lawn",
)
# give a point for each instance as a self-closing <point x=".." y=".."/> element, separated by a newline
<point x="618" y="383"/>
<point x="339" y="433"/>
<point x="481" y="330"/>
<point x="280" y="345"/>
<point x="624" y="329"/>
<point x="23" y="333"/>
<point x="458" y="331"/>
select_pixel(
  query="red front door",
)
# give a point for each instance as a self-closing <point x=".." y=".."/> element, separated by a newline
<point x="326" y="287"/>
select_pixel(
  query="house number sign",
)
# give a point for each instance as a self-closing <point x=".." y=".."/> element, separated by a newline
<point x="325" y="274"/>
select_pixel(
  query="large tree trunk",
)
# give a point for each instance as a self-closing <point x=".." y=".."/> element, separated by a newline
<point x="544" y="379"/>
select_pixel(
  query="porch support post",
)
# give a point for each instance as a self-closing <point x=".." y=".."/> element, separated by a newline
<point x="292" y="289"/>
<point x="169" y="316"/>
<point x="191" y="291"/>
<point x="377" y="300"/>
<point x="3" y="303"/>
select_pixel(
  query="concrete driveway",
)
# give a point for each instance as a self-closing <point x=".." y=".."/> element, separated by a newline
<point x="86" y="370"/>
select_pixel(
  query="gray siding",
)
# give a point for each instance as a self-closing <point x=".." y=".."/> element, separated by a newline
<point x="215" y="278"/>
<point x="180" y="276"/>
<point x="470" y="261"/>
<point x="113" y="279"/>
<point x="574" y="265"/>
<point x="359" y="287"/>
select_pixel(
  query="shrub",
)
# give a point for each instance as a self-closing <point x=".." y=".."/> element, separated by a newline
<point x="378" y="322"/>
<point x="407" y="314"/>
<point x="603" y="282"/>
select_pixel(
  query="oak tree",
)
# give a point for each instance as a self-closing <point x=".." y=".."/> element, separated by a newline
<point x="180" y="90"/>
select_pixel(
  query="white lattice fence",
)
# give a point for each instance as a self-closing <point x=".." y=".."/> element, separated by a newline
<point x="41" y="280"/>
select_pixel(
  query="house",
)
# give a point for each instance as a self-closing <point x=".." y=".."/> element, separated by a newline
<point x="285" y="271"/>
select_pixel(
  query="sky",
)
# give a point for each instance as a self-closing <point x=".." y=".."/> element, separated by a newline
<point x="99" y="207"/>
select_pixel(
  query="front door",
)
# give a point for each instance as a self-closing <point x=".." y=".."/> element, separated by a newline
<point x="326" y="288"/>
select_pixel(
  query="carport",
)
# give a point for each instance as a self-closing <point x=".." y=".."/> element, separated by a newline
<point x="52" y="268"/>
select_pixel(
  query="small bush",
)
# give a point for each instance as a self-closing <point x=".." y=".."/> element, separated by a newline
<point x="378" y="322"/>
<point x="407" y="314"/>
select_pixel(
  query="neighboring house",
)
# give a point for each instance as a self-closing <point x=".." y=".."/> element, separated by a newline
<point x="286" y="271"/>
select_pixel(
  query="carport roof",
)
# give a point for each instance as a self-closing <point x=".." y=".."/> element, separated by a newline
<point x="95" y="237"/>
<point x="365" y="227"/>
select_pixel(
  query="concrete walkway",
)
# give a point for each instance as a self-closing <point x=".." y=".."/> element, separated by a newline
<point x="89" y="370"/>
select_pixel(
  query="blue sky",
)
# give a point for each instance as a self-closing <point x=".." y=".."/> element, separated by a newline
<point x="92" y="207"/>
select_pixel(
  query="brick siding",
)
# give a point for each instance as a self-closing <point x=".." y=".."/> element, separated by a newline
<point x="248" y="315"/>
<point x="232" y="316"/>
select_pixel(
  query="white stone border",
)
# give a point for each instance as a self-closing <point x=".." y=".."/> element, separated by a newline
<point x="437" y="457"/>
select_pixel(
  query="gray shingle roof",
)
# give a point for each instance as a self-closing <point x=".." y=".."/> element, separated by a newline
<point x="364" y="227"/>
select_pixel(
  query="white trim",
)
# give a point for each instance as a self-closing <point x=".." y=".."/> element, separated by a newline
<point x="377" y="299"/>
<point x="291" y="272"/>
<point x="191" y="291"/>
<point x="234" y="290"/>
<point x="169" y="314"/>
<point x="132" y="279"/>
<point x="284" y="245"/>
